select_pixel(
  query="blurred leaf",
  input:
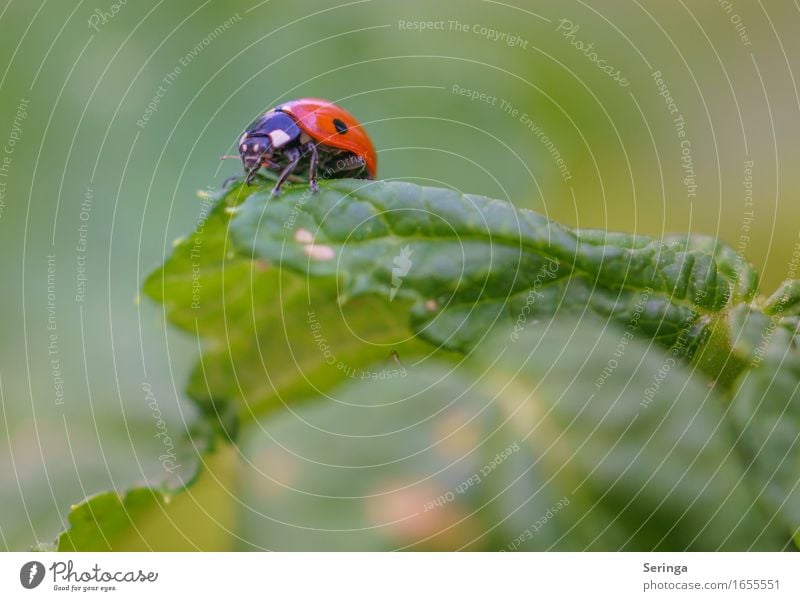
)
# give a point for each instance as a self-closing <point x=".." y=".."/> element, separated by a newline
<point x="60" y="458"/>
<point x="197" y="516"/>
<point x="634" y="429"/>
<point x="519" y="448"/>
<point x="766" y="412"/>
<point x="364" y="472"/>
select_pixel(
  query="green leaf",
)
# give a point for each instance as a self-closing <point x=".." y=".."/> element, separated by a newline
<point x="268" y="339"/>
<point x="290" y="295"/>
<point x="473" y="261"/>
<point x="785" y="300"/>
<point x="729" y="262"/>
<point x="196" y="515"/>
<point x="302" y="296"/>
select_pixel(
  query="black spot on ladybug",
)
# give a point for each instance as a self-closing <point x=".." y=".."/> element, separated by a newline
<point x="340" y="126"/>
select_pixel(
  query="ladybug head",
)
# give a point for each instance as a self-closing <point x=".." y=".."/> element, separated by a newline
<point x="253" y="149"/>
<point x="272" y="131"/>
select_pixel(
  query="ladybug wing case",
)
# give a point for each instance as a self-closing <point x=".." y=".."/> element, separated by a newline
<point x="331" y="125"/>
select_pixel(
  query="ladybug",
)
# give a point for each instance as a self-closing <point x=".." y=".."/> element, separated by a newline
<point x="311" y="136"/>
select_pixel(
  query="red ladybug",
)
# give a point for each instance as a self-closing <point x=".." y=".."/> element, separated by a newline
<point x="307" y="135"/>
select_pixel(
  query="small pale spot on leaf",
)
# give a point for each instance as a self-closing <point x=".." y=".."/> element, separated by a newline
<point x="320" y="252"/>
<point x="304" y="236"/>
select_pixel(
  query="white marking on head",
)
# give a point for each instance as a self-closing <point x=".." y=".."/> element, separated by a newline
<point x="279" y="138"/>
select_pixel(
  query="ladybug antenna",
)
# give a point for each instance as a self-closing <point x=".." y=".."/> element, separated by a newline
<point x="228" y="156"/>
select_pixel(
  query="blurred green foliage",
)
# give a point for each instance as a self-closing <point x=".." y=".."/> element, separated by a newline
<point x="80" y="160"/>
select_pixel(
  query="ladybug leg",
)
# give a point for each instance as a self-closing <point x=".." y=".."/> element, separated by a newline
<point x="251" y="174"/>
<point x="271" y="165"/>
<point x="294" y="159"/>
<point x="263" y="162"/>
<point x="312" y="171"/>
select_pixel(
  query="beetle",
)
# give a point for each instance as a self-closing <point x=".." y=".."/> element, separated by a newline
<point x="309" y="135"/>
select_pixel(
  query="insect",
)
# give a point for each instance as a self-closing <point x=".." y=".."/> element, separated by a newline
<point x="309" y="135"/>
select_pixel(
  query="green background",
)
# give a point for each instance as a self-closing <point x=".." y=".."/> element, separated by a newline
<point x="86" y="89"/>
